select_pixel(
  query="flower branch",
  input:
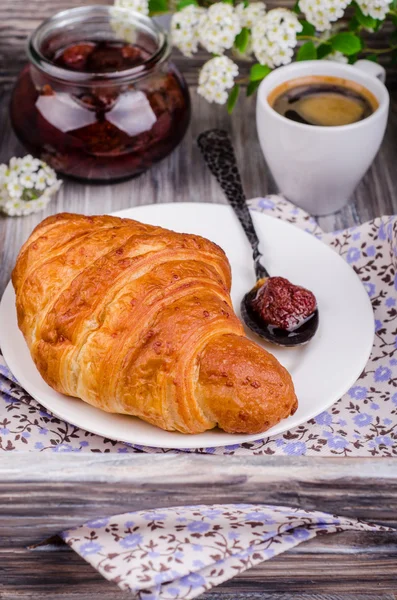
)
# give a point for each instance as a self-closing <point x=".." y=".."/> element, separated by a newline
<point x="247" y="31"/>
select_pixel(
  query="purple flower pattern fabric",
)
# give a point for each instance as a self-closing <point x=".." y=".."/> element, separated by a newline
<point x="362" y="423"/>
<point x="180" y="553"/>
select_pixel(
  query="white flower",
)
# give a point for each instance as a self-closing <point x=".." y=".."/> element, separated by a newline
<point x="218" y="28"/>
<point x="184" y="29"/>
<point x="50" y="174"/>
<point x="41" y="180"/>
<point x="274" y="37"/>
<point x="283" y="56"/>
<point x="122" y="27"/>
<point x="248" y="15"/>
<point x="15" y="189"/>
<point x="26" y="185"/>
<point x="322" y="13"/>
<point x="140" y="6"/>
<point x="28" y="164"/>
<point x="377" y="9"/>
<point x="17" y="208"/>
<point x="27" y="180"/>
<point x="337" y="57"/>
<point x="124" y="31"/>
<point x="216" y="77"/>
<point x="14" y="163"/>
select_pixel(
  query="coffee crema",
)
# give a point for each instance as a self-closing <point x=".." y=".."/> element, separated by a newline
<point x="323" y="101"/>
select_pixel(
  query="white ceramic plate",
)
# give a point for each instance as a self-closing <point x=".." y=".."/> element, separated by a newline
<point x="322" y="371"/>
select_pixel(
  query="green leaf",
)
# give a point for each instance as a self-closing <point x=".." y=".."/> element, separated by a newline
<point x="347" y="43"/>
<point x="378" y="25"/>
<point x="184" y="3"/>
<point x="394" y="20"/>
<point x="253" y="86"/>
<point x="372" y="57"/>
<point x="228" y="1"/>
<point x="242" y="39"/>
<point x="296" y="8"/>
<point x="158" y="6"/>
<point x="323" y="50"/>
<point x="307" y="52"/>
<point x="354" y="24"/>
<point x="352" y="59"/>
<point x="231" y="101"/>
<point x="259" y="72"/>
<point x="364" y="20"/>
<point x="308" y="29"/>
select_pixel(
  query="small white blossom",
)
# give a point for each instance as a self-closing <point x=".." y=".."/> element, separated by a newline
<point x="17" y="208"/>
<point x="14" y="163"/>
<point x="140" y="6"/>
<point x="250" y="14"/>
<point x="216" y="77"/>
<point x="122" y="27"/>
<point x="377" y="9"/>
<point x="51" y="177"/>
<point x="41" y="180"/>
<point x="29" y="164"/>
<point x="27" y="180"/>
<point x="337" y="57"/>
<point x="184" y="28"/>
<point x="124" y="31"/>
<point x="322" y="13"/>
<point x="14" y="189"/>
<point x="274" y="37"/>
<point x="26" y="186"/>
<point x="218" y="28"/>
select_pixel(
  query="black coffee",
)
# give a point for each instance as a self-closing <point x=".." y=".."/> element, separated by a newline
<point x="324" y="101"/>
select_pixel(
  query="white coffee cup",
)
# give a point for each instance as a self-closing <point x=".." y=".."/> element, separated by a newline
<point x="316" y="167"/>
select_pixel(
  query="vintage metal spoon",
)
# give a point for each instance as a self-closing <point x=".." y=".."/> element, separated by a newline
<point x="218" y="153"/>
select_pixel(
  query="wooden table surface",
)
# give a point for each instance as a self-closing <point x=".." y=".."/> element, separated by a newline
<point x="43" y="494"/>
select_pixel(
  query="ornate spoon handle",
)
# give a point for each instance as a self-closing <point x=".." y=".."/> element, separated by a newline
<point x="218" y="153"/>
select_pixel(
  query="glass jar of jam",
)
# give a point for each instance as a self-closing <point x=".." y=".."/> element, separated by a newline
<point x="100" y="100"/>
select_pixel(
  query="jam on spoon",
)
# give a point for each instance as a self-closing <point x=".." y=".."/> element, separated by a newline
<point x="275" y="309"/>
<point x="281" y="312"/>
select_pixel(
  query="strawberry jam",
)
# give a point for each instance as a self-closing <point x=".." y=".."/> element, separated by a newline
<point x="99" y="109"/>
<point x="281" y="304"/>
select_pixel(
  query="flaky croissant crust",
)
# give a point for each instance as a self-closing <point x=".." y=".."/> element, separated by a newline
<point x="138" y="320"/>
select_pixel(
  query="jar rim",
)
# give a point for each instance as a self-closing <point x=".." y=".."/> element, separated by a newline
<point x="76" y="15"/>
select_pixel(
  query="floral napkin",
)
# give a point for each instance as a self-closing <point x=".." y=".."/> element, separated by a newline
<point x="180" y="553"/>
<point x="362" y="423"/>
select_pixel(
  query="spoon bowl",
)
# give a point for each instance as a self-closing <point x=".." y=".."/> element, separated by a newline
<point x="281" y="337"/>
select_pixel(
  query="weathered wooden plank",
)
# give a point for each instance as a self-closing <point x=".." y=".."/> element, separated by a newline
<point x="34" y="512"/>
<point x="184" y="468"/>
<point x="66" y="574"/>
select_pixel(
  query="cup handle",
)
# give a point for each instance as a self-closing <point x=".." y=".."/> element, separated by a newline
<point x="371" y="68"/>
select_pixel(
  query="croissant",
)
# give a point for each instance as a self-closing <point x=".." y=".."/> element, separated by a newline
<point x="138" y="320"/>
